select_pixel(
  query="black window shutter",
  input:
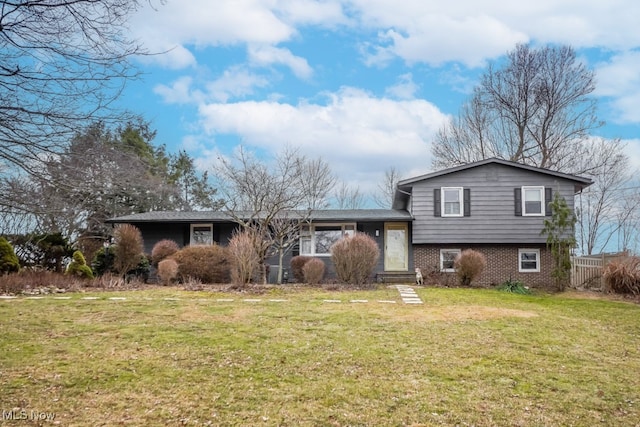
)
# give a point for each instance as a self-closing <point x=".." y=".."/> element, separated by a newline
<point x="548" y="197"/>
<point x="467" y="201"/>
<point x="436" y="202"/>
<point x="517" y="197"/>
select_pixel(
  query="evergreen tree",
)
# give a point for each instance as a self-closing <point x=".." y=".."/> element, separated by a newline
<point x="560" y="239"/>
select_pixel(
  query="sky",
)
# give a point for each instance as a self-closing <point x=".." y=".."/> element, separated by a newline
<point x="363" y="84"/>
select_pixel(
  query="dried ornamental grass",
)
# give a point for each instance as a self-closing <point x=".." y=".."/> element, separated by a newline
<point x="623" y="276"/>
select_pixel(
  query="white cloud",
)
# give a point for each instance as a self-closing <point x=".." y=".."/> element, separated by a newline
<point x="179" y="92"/>
<point x="267" y="55"/>
<point x="633" y="151"/>
<point x="620" y="80"/>
<point x="359" y="135"/>
<point x="472" y="31"/>
<point x="199" y="24"/>
<point x="404" y="89"/>
<point x="235" y="82"/>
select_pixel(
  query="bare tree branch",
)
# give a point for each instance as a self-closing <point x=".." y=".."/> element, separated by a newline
<point x="63" y="63"/>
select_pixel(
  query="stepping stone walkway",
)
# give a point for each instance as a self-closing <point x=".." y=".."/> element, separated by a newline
<point x="408" y="295"/>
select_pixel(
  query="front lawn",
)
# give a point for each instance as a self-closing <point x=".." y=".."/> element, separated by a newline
<point x="291" y="358"/>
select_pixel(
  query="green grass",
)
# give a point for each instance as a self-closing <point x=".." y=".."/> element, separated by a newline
<point x="465" y="357"/>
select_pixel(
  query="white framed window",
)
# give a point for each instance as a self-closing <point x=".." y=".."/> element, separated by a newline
<point x="533" y="201"/>
<point x="201" y="234"/>
<point x="317" y="240"/>
<point x="448" y="258"/>
<point x="529" y="260"/>
<point x="452" y="199"/>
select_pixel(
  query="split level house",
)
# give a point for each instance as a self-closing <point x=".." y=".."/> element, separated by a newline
<point x="494" y="206"/>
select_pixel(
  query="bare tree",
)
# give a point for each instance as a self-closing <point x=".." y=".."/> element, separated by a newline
<point x="347" y="197"/>
<point x="387" y="188"/>
<point x="535" y="110"/>
<point x="629" y="221"/>
<point x="319" y="182"/>
<point x="97" y="176"/>
<point x="62" y="63"/>
<point x="607" y="205"/>
<point x="271" y="199"/>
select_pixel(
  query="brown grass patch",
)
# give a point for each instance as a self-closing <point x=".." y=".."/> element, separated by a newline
<point x="460" y="313"/>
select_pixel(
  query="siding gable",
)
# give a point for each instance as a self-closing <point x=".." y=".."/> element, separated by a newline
<point x="490" y="215"/>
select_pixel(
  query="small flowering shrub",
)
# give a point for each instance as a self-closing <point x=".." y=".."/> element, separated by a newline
<point x="313" y="271"/>
<point x="469" y="264"/>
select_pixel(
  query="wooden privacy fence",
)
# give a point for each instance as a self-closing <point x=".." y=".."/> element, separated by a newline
<point x="586" y="272"/>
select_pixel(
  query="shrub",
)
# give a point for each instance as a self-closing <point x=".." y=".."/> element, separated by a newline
<point x="355" y="258"/>
<point x="128" y="250"/>
<point x="46" y="251"/>
<point x="469" y="264"/>
<point x="245" y="261"/>
<point x="622" y="275"/>
<point x="108" y="281"/>
<point x="167" y="271"/>
<point x="313" y="271"/>
<point x="514" y="286"/>
<point x="163" y="249"/>
<point x="140" y="271"/>
<point x="78" y="267"/>
<point x="41" y="281"/>
<point x="208" y="264"/>
<point x="8" y="260"/>
<point x="297" y="264"/>
<point x="103" y="261"/>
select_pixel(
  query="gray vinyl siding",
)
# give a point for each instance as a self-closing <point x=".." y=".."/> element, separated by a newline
<point x="493" y="218"/>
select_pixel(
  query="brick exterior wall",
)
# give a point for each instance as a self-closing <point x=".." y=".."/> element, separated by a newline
<point x="502" y="265"/>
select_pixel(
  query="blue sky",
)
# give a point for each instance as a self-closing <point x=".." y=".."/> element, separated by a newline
<point x="364" y="84"/>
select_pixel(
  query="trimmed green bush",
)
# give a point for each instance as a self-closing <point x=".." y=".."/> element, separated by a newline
<point x="8" y="260"/>
<point x="355" y="258"/>
<point x="297" y="265"/>
<point x="78" y="267"/>
<point x="313" y="271"/>
<point x="469" y="265"/>
<point x="206" y="263"/>
<point x="103" y="261"/>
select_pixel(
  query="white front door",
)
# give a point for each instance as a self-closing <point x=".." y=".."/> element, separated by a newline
<point x="396" y="244"/>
